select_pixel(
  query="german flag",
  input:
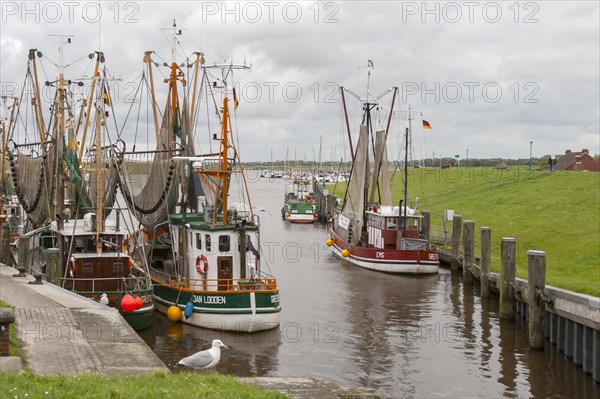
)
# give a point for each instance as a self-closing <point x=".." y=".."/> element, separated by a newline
<point x="105" y="96"/>
<point x="236" y="103"/>
<point x="426" y="125"/>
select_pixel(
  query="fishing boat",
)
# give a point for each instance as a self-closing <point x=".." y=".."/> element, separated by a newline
<point x="371" y="232"/>
<point x="203" y="250"/>
<point x="68" y="191"/>
<point x="300" y="204"/>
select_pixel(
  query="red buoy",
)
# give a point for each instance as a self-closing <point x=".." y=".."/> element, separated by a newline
<point x="127" y="303"/>
<point x="138" y="302"/>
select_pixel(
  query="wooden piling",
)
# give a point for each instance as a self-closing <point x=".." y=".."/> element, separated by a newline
<point x="507" y="278"/>
<point x="484" y="278"/>
<point x="536" y="283"/>
<point x="456" y="233"/>
<point x="426" y="225"/>
<point x="468" y="250"/>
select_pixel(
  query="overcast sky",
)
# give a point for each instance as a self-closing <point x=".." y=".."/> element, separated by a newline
<point x="490" y="77"/>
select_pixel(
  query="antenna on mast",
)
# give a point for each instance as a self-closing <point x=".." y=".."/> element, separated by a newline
<point x="369" y="67"/>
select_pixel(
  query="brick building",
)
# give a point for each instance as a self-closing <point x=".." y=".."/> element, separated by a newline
<point x="578" y="161"/>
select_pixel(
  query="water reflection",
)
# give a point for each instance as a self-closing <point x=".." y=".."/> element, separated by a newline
<point x="249" y="354"/>
<point x="396" y="336"/>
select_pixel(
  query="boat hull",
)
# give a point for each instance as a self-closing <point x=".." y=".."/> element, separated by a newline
<point x="302" y="219"/>
<point x="241" y="311"/>
<point x="139" y="319"/>
<point x="386" y="260"/>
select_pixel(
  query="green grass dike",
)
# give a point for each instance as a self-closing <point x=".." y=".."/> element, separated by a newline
<point x="156" y="385"/>
<point x="558" y="213"/>
<point x="211" y="385"/>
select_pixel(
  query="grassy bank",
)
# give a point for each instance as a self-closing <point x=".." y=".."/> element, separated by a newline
<point x="553" y="212"/>
<point x="157" y="385"/>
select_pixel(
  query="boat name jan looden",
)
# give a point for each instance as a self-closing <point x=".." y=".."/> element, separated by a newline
<point x="209" y="299"/>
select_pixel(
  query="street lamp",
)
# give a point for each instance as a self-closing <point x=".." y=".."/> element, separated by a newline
<point x="530" y="152"/>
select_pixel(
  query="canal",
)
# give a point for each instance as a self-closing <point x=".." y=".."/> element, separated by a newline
<point x="397" y="336"/>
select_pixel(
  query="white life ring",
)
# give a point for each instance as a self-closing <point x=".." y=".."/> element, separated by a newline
<point x="202" y="265"/>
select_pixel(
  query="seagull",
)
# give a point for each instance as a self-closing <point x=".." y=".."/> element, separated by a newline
<point x="206" y="358"/>
<point x="104" y="299"/>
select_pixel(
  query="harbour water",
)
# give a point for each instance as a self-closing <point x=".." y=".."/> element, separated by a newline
<point x="397" y="336"/>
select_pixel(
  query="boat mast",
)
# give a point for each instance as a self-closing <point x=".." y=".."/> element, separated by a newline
<point x="99" y="57"/>
<point x="2" y="161"/>
<point x="99" y="183"/>
<point x="199" y="61"/>
<point x="405" y="201"/>
<point x="347" y="122"/>
<point x="225" y="158"/>
<point x="148" y="60"/>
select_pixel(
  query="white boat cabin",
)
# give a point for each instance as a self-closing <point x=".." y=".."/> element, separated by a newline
<point x="382" y="226"/>
<point x="219" y="257"/>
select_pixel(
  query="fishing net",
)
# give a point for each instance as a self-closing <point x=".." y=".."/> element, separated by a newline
<point x="150" y="185"/>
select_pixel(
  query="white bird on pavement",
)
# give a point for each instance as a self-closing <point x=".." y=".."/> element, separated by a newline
<point x="206" y="358"/>
<point x="104" y="299"/>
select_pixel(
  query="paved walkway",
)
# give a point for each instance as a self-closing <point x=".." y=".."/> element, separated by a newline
<point x="65" y="333"/>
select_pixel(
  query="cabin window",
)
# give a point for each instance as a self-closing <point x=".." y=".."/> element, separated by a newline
<point x="87" y="269"/>
<point x="392" y="223"/>
<point x="198" y="241"/>
<point x="79" y="246"/>
<point x="191" y="240"/>
<point x="117" y="267"/>
<point x="224" y="243"/>
<point x="207" y="242"/>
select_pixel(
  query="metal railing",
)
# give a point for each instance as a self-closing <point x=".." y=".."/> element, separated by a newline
<point x="142" y="283"/>
<point x="263" y="282"/>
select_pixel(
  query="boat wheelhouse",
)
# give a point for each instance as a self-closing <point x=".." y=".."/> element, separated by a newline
<point x="111" y="273"/>
<point x="300" y="202"/>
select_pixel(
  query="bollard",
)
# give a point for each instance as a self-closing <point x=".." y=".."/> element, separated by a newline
<point x="21" y="271"/>
<point x="484" y="279"/>
<point x="468" y="250"/>
<point x="536" y="283"/>
<point x="456" y="232"/>
<point x="426" y="225"/>
<point x="507" y="278"/>
<point x="38" y="279"/>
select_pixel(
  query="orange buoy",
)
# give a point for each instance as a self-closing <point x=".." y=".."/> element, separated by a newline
<point x="345" y="253"/>
<point x="329" y="242"/>
<point x="174" y="313"/>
